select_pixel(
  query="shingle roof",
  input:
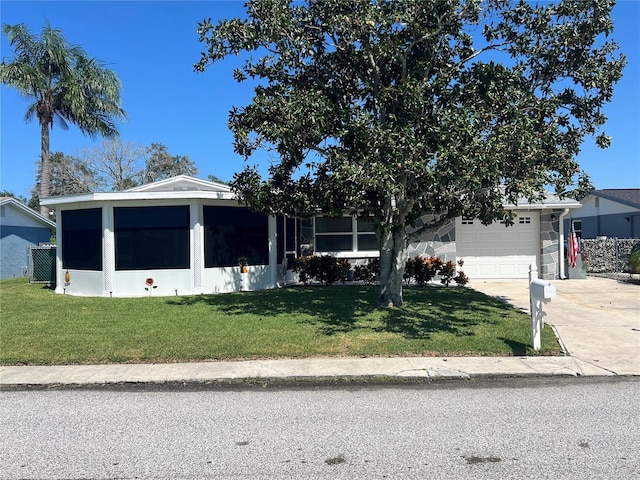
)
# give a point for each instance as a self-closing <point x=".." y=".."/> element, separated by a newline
<point x="625" y="196"/>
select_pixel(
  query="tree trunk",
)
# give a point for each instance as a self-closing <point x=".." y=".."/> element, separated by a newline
<point x="45" y="167"/>
<point x="393" y="253"/>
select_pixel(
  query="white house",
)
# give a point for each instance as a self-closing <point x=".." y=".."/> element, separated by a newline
<point x="185" y="236"/>
<point x="20" y="228"/>
<point x="174" y="237"/>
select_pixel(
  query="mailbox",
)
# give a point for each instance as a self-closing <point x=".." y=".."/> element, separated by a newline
<point x="542" y="290"/>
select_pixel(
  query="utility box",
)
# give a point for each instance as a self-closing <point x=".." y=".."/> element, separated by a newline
<point x="542" y="290"/>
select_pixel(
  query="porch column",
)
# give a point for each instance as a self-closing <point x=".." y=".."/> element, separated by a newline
<point x="108" y="250"/>
<point x="273" y="251"/>
<point x="197" y="243"/>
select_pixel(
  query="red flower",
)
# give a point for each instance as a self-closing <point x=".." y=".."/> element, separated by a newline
<point x="148" y="282"/>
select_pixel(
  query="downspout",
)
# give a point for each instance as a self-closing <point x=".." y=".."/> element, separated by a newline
<point x="561" y="242"/>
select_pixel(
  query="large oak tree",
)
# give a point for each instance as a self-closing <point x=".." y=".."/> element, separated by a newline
<point x="394" y="108"/>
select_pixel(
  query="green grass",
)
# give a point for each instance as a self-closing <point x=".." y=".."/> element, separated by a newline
<point x="38" y="326"/>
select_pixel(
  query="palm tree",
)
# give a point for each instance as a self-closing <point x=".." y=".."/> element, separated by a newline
<point x="66" y="85"/>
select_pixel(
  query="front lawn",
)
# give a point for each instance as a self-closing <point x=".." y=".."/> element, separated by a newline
<point x="39" y="327"/>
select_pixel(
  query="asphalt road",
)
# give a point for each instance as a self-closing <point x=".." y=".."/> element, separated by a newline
<point x="521" y="428"/>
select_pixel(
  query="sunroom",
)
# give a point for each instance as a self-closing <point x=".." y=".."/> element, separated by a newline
<point x="174" y="237"/>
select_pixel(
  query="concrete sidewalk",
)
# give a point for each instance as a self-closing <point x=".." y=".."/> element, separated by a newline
<point x="597" y="320"/>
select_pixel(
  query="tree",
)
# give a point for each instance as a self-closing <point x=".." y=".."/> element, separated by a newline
<point x="392" y="109"/>
<point x="216" y="179"/>
<point x="65" y="84"/>
<point x="120" y="165"/>
<point x="160" y="164"/>
<point x="117" y="164"/>
<point x="68" y="175"/>
<point x="9" y="193"/>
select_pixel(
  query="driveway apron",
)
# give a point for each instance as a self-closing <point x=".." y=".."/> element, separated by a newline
<point x="597" y="319"/>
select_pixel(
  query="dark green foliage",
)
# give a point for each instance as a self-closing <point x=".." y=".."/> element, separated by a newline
<point x="421" y="270"/>
<point x="325" y="269"/>
<point x="634" y="259"/>
<point x="368" y="272"/>
<point x="397" y="108"/>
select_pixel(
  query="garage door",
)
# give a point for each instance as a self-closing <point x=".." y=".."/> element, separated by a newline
<point x="498" y="251"/>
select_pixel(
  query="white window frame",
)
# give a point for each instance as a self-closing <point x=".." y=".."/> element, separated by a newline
<point x="354" y="240"/>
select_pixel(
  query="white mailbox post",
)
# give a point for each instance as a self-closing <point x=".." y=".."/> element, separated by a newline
<point x="539" y="291"/>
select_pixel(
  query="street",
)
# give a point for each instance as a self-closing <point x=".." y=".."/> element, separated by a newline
<point x="570" y="428"/>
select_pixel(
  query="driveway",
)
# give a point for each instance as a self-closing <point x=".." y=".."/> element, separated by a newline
<point x="596" y="319"/>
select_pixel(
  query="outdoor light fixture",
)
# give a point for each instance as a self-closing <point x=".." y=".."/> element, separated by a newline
<point x="627" y="219"/>
<point x="553" y="217"/>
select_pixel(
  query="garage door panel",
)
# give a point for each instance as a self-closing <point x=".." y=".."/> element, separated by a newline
<point x="485" y="237"/>
<point x="497" y="251"/>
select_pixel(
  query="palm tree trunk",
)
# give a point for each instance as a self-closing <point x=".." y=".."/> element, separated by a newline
<point x="45" y="167"/>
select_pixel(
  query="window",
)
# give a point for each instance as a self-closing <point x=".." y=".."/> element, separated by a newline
<point x="524" y="220"/>
<point x="577" y="227"/>
<point x="234" y="232"/>
<point x="344" y="234"/>
<point x="467" y="221"/>
<point x="367" y="238"/>
<point x="82" y="239"/>
<point x="152" y="237"/>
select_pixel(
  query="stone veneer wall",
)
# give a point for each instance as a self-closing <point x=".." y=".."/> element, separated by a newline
<point x="439" y="243"/>
<point x="549" y="254"/>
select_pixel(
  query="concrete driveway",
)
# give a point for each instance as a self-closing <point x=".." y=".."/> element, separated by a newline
<point x="597" y="319"/>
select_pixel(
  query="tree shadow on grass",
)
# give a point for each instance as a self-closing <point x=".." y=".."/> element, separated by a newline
<point x="338" y="308"/>
<point x="342" y="309"/>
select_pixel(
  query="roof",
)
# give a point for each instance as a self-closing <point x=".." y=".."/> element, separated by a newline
<point x="626" y="196"/>
<point x="550" y="201"/>
<point x="181" y="187"/>
<point x="26" y="210"/>
<point x="181" y="183"/>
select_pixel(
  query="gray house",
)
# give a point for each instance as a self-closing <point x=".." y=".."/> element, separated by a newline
<point x="608" y="213"/>
<point x="20" y="228"/>
<point x="489" y="251"/>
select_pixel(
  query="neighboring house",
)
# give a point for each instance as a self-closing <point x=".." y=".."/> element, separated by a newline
<point x="185" y="236"/>
<point x="610" y="213"/>
<point x="20" y="228"/>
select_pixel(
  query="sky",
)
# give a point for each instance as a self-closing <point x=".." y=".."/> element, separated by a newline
<point x="152" y="46"/>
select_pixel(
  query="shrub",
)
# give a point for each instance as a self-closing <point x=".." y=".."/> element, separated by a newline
<point x="324" y="269"/>
<point x="425" y="269"/>
<point x="422" y="270"/>
<point x="634" y="259"/>
<point x="368" y="272"/>
<point x="447" y="272"/>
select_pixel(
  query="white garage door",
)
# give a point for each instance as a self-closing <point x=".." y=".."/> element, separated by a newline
<point x="498" y="251"/>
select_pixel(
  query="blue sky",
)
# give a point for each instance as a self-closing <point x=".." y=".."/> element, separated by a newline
<point x="152" y="46"/>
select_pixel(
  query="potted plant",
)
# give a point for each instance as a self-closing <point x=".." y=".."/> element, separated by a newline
<point x="243" y="262"/>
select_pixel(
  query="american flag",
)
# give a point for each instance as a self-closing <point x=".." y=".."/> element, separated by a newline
<point x="572" y="248"/>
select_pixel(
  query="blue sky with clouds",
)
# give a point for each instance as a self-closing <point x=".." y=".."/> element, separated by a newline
<point x="152" y="46"/>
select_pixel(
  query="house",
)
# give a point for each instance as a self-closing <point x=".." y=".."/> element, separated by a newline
<point x="20" y="228"/>
<point x="493" y="251"/>
<point x="613" y="213"/>
<point x="185" y="236"/>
